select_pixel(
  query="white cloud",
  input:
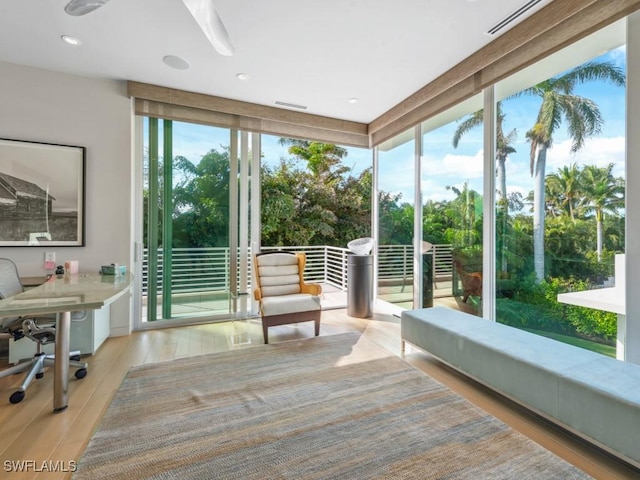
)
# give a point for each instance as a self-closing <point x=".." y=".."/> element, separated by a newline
<point x="435" y="189"/>
<point x="462" y="166"/>
<point x="596" y="151"/>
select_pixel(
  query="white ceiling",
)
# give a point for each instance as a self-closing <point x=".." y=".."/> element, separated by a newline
<point x="317" y="53"/>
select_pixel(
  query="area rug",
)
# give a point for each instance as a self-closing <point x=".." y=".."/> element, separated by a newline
<point x="331" y="407"/>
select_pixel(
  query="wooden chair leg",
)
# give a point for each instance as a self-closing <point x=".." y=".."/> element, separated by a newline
<point x="289" y="318"/>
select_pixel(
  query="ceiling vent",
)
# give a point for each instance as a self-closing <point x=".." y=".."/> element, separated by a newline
<point x="513" y="17"/>
<point x="290" y="105"/>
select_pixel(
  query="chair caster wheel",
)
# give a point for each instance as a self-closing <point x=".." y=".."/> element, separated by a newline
<point x="39" y="375"/>
<point x="16" y="397"/>
<point x="75" y="358"/>
<point x="81" y="373"/>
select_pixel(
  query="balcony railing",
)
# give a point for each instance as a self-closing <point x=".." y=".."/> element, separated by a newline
<point x="206" y="269"/>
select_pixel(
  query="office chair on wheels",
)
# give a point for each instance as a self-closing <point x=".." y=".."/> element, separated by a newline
<point x="40" y="329"/>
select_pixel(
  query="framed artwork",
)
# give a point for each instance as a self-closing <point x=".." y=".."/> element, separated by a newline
<point x="41" y="194"/>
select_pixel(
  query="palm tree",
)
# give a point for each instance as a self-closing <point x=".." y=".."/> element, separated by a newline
<point x="583" y="121"/>
<point x="464" y="210"/>
<point x="503" y="149"/>
<point x="323" y="159"/>
<point x="565" y="184"/>
<point x="503" y="144"/>
<point x="603" y="193"/>
<point x="554" y="198"/>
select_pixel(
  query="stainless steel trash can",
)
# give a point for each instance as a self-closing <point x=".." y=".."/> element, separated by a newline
<point x="360" y="286"/>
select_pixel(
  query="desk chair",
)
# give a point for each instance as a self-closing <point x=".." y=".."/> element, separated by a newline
<point x="40" y="329"/>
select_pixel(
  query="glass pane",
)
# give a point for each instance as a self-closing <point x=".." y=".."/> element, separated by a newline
<point x="396" y="179"/>
<point x="452" y="185"/>
<point x="560" y="210"/>
<point x="316" y="197"/>
<point x="187" y="221"/>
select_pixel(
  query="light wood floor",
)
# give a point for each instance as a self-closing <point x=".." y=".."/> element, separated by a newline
<point x="29" y="431"/>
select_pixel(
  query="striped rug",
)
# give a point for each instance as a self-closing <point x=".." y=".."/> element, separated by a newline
<point x="332" y="407"/>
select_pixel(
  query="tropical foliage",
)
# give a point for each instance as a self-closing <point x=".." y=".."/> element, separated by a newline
<point x="583" y="119"/>
<point x="561" y="237"/>
<point x="318" y="202"/>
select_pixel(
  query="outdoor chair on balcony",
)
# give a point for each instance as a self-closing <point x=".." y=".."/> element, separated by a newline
<point x="283" y="295"/>
<point x="471" y="281"/>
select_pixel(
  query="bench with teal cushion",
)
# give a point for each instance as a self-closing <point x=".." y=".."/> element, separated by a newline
<point x="595" y="396"/>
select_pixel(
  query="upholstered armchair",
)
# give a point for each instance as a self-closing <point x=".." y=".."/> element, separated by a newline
<point x="283" y="295"/>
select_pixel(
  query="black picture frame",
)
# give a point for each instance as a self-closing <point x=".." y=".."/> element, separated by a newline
<point x="42" y="194"/>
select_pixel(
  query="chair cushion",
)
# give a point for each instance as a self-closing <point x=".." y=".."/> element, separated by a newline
<point x="284" y="289"/>
<point x="275" y="280"/>
<point x="278" y="273"/>
<point x="281" y="304"/>
<point x="275" y="271"/>
<point x="276" y="259"/>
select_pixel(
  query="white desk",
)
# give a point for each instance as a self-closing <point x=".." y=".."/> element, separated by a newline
<point x="606" y="299"/>
<point x="61" y="296"/>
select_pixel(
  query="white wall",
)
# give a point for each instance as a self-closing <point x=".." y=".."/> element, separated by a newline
<point x="50" y="107"/>
<point x="631" y="335"/>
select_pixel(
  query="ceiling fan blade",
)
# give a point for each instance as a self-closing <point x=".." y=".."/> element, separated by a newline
<point x="205" y="14"/>
<point x="78" y="8"/>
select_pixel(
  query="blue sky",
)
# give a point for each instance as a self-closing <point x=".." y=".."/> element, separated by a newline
<point x="443" y="165"/>
<point x="193" y="141"/>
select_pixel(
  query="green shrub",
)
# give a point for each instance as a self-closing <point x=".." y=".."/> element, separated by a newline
<point x="536" y="306"/>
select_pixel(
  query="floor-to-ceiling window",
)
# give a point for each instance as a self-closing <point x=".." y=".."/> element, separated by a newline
<point x="196" y="233"/>
<point x="558" y="161"/>
<point x="395" y="192"/>
<point x="560" y="194"/>
<point x="452" y="194"/>
<point x="315" y="198"/>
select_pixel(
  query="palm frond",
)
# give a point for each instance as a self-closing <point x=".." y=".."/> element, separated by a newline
<point x="474" y="120"/>
<point x="583" y="119"/>
<point x="595" y="71"/>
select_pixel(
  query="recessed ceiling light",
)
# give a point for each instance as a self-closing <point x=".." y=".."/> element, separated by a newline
<point x="353" y="100"/>
<point x="175" y="62"/>
<point x="242" y="76"/>
<point x="71" y="40"/>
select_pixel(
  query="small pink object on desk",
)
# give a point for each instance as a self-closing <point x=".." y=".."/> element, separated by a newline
<point x="71" y="267"/>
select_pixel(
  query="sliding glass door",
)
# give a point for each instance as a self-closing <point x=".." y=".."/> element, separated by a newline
<point x="396" y="204"/>
<point x="197" y="226"/>
<point x="451" y="185"/>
